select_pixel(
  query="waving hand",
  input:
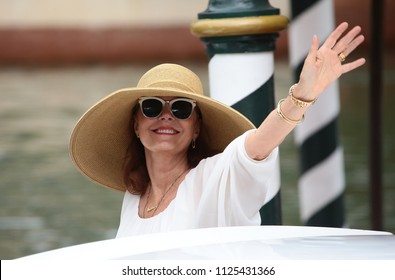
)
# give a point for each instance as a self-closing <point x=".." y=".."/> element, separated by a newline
<point x="326" y="64"/>
<point x="323" y="65"/>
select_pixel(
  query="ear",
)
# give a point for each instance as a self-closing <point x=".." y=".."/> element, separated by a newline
<point x="196" y="131"/>
<point x="136" y="127"/>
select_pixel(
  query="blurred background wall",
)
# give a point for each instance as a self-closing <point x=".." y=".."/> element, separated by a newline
<point x="83" y="31"/>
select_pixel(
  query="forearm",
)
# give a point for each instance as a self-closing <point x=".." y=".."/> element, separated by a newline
<point x="273" y="130"/>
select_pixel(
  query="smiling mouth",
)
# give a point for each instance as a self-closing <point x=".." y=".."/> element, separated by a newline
<point x="166" y="131"/>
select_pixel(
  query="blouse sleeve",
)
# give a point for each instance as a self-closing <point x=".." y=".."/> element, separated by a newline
<point x="233" y="187"/>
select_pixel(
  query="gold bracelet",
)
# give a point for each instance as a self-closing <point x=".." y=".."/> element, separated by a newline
<point x="284" y="117"/>
<point x="298" y="102"/>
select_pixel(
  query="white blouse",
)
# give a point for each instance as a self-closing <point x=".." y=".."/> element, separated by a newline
<point x="227" y="189"/>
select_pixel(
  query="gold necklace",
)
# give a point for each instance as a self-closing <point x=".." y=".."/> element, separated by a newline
<point x="155" y="207"/>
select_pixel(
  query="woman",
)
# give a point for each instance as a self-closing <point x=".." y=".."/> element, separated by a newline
<point x="187" y="161"/>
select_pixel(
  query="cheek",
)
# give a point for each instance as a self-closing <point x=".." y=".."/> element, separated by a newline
<point x="140" y="124"/>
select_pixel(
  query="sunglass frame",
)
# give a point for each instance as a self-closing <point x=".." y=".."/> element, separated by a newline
<point x="169" y="102"/>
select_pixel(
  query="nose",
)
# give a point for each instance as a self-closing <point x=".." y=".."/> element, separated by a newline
<point x="166" y="114"/>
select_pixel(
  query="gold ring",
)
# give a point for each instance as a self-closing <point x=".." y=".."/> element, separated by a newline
<point x="342" y="57"/>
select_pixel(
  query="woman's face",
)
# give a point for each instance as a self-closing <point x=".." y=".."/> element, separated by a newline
<point x="166" y="133"/>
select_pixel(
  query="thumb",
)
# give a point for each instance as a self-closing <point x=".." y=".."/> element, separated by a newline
<point x="314" y="48"/>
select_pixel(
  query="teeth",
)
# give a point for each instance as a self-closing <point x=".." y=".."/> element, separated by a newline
<point x="166" y="131"/>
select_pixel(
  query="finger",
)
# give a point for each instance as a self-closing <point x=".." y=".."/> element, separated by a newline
<point x="343" y="43"/>
<point x="335" y="35"/>
<point x="313" y="48"/>
<point x="312" y="54"/>
<point x="347" y="67"/>
<point x="353" y="45"/>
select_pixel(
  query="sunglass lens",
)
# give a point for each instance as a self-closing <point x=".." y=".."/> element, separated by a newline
<point x="182" y="109"/>
<point x="151" y="108"/>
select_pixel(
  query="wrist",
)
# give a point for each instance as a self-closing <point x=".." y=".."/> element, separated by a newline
<point x="298" y="98"/>
<point x="286" y="118"/>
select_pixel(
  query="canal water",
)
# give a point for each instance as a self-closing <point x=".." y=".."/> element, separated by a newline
<point x="46" y="204"/>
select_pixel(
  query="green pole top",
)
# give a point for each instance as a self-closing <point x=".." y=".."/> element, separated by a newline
<point x="237" y="8"/>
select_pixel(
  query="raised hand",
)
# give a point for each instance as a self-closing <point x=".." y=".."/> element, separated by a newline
<point x="323" y="65"/>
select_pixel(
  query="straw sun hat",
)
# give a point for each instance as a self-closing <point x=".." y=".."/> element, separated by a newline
<point x="101" y="137"/>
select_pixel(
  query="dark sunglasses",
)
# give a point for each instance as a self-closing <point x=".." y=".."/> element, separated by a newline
<point x="180" y="108"/>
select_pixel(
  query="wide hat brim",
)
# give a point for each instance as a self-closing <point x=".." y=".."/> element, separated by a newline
<point x="101" y="137"/>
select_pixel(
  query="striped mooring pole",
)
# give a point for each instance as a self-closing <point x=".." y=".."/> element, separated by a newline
<point x="321" y="183"/>
<point x="240" y="40"/>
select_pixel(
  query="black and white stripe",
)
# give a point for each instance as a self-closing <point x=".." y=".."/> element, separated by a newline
<point x="244" y="80"/>
<point x="322" y="183"/>
<point x="241" y="67"/>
